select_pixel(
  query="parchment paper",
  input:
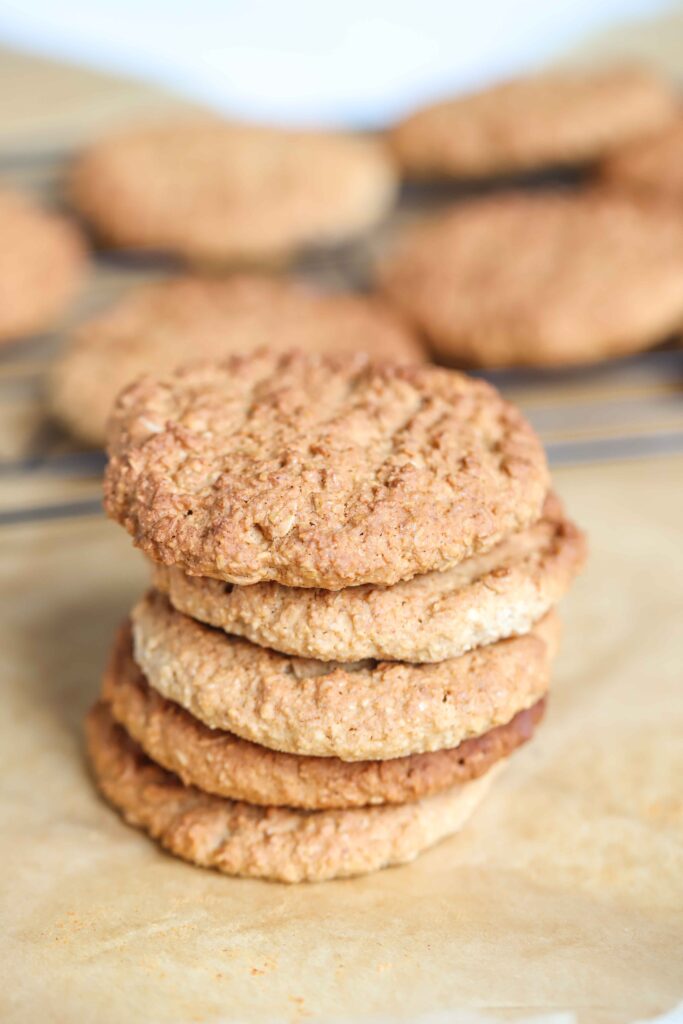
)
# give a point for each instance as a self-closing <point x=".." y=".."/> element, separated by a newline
<point x="563" y="896"/>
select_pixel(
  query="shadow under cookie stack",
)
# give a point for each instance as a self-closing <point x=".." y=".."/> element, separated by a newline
<point x="351" y="625"/>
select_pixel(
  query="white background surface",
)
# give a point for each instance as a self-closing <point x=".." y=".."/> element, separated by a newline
<point x="358" y="62"/>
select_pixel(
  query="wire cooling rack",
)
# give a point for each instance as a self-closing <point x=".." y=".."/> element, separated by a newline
<point x="628" y="408"/>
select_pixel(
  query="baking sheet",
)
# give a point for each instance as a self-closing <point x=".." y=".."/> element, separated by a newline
<point x="562" y="900"/>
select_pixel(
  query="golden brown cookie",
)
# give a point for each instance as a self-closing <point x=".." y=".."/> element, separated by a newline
<point x="356" y="712"/>
<point x="541" y="279"/>
<point x="651" y="165"/>
<point x="215" y="191"/>
<point x="534" y="122"/>
<point x="42" y="262"/>
<point x="429" y="618"/>
<point x="219" y="762"/>
<point x="268" y="842"/>
<point x="319" y="471"/>
<point x="168" y="323"/>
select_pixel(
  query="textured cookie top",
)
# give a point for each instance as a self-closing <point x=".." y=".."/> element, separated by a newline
<point x="652" y="165"/>
<point x="268" y="842"/>
<point x="216" y="191"/>
<point x="543" y="278"/>
<point x="553" y="119"/>
<point x="363" y="711"/>
<point x="316" y="471"/>
<point x="218" y="762"/>
<point x="439" y="615"/>
<point x="42" y="261"/>
<point x="167" y="323"/>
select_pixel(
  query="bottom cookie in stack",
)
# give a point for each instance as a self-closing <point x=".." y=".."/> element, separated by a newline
<point x="277" y="843"/>
<point x="198" y="740"/>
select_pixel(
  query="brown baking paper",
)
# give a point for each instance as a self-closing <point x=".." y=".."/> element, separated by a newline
<point x="562" y="900"/>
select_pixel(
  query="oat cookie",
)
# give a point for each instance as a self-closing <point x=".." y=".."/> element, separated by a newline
<point x="429" y="618"/>
<point x="268" y="842"/>
<point x="319" y="471"/>
<point x="42" y="262"/>
<point x="167" y="323"/>
<point x="357" y="712"/>
<point x="219" y="762"/>
<point x="652" y="165"/>
<point x="534" y="122"/>
<point x="215" y="191"/>
<point x="541" y="279"/>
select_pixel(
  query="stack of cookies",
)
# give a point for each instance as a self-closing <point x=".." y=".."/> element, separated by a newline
<point x="351" y="627"/>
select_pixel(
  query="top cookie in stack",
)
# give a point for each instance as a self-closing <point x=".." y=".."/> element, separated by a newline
<point x="320" y="472"/>
<point x="352" y="629"/>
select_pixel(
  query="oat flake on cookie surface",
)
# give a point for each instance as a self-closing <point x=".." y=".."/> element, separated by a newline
<point x="319" y="471"/>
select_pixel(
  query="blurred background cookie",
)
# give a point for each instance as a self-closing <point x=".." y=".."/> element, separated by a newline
<point x="652" y="165"/>
<point x="550" y="120"/>
<point x="541" y="279"/>
<point x="166" y="323"/>
<point x="216" y="192"/>
<point x="42" y="262"/>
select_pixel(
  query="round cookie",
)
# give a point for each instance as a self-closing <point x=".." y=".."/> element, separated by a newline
<point x="221" y="763"/>
<point x="541" y="279"/>
<point x="215" y="191"/>
<point x="356" y="712"/>
<point x="42" y="262"/>
<point x="652" y="165"/>
<point x="319" y="471"/>
<point x="432" y="617"/>
<point x="554" y="119"/>
<point x="168" y="323"/>
<point x="275" y="843"/>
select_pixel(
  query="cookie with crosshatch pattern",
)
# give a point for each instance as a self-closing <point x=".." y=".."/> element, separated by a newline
<point x="541" y="279"/>
<point x="319" y="471"/>
<point x="217" y="192"/>
<point x="553" y="119"/>
<point x="165" y="323"/>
